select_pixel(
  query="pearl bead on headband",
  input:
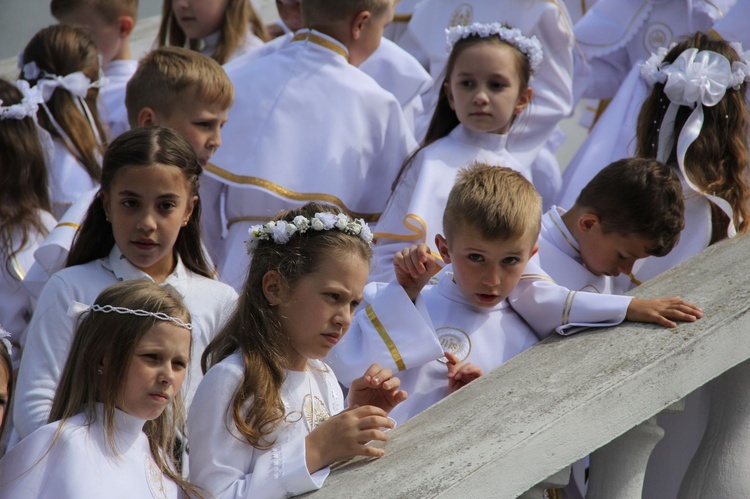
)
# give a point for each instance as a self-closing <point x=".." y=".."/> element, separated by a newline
<point x="528" y="45"/>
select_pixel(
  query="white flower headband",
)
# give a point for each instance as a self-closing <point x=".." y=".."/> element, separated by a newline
<point x="28" y="106"/>
<point x="530" y="46"/>
<point x="5" y="339"/>
<point x="77" y="308"/>
<point x="695" y="79"/>
<point x="281" y="231"/>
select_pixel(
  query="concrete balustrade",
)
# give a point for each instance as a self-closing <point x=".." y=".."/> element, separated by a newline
<point x="566" y="397"/>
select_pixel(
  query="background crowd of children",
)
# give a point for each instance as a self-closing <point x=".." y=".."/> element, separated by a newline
<point x="295" y="208"/>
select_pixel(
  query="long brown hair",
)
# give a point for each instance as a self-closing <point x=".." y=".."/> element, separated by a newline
<point x="143" y="147"/>
<point x="114" y="337"/>
<point x="444" y="119"/>
<point x="24" y="190"/>
<point x="238" y="15"/>
<point x="254" y="329"/>
<point x="718" y="160"/>
<point x="61" y="50"/>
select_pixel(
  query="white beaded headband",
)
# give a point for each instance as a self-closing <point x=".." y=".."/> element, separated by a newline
<point x="528" y="45"/>
<point x="28" y="106"/>
<point x="697" y="78"/>
<point x="281" y="231"/>
<point x="77" y="308"/>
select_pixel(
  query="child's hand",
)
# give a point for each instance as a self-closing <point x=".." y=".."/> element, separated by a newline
<point x="460" y="373"/>
<point x="377" y="387"/>
<point x="345" y="435"/>
<point x="414" y="267"/>
<point x="663" y="311"/>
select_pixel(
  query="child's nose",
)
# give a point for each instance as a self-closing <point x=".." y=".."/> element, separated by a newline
<point x="493" y="277"/>
<point x="344" y="318"/>
<point x="480" y="97"/>
<point x="167" y="375"/>
<point x="147" y="222"/>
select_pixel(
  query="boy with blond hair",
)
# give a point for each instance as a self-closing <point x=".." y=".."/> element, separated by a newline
<point x="308" y="125"/>
<point x="110" y="23"/>
<point x="491" y="222"/>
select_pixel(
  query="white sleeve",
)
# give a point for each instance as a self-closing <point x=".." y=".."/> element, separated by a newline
<point x="548" y="307"/>
<point x="48" y="341"/>
<point x="225" y="464"/>
<point x="389" y="330"/>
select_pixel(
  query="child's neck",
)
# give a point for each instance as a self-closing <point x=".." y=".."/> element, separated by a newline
<point x="123" y="54"/>
<point x="570" y="219"/>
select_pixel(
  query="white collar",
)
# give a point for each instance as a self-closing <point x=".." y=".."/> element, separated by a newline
<point x="559" y="234"/>
<point x="489" y="141"/>
<point x="123" y="270"/>
<point x="207" y="45"/>
<point x="312" y="39"/>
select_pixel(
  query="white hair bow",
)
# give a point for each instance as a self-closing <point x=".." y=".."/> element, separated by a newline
<point x="76" y="83"/>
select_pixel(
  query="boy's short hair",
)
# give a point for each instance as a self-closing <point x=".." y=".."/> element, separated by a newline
<point x="324" y="13"/>
<point x="640" y="196"/>
<point x="165" y="74"/>
<point x="110" y="10"/>
<point x="497" y="201"/>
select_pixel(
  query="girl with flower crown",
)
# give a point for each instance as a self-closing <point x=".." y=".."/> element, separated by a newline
<point x="268" y="418"/>
<point x="63" y="63"/>
<point x="113" y="420"/>
<point x="143" y="224"/>
<point x="25" y="217"/>
<point x="485" y="89"/>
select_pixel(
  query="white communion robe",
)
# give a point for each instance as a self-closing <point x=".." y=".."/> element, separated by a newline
<point x="410" y="338"/>
<point x="734" y="27"/>
<point x="51" y="331"/>
<point x="112" y="95"/>
<point x="553" y="82"/>
<point x="306" y="125"/>
<point x="227" y="466"/>
<point x="82" y="465"/>
<point x="414" y="213"/>
<point x="68" y="179"/>
<point x="16" y="304"/>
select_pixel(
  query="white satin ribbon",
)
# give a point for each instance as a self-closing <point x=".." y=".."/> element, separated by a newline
<point x="694" y="79"/>
<point x="76" y="83"/>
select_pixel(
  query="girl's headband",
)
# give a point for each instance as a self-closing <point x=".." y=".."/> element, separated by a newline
<point x="28" y="106"/>
<point x="695" y="79"/>
<point x="529" y="46"/>
<point x="5" y="339"/>
<point x="281" y="231"/>
<point x="77" y="308"/>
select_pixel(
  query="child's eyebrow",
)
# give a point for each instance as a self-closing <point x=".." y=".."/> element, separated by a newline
<point x="169" y="195"/>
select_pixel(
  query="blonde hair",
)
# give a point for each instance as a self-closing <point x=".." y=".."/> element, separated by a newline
<point x="114" y="337"/>
<point x="166" y="74"/>
<point x="239" y="14"/>
<point x="110" y="10"/>
<point x="499" y="202"/>
<point x="325" y="13"/>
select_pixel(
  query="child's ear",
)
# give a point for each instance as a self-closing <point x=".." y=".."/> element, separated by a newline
<point x="189" y="209"/>
<point x="358" y="24"/>
<point x="442" y="246"/>
<point x="126" y="24"/>
<point x="449" y="95"/>
<point x="147" y="117"/>
<point x="104" y="197"/>
<point x="534" y="250"/>
<point x="587" y="221"/>
<point x="273" y="287"/>
<point x="524" y="98"/>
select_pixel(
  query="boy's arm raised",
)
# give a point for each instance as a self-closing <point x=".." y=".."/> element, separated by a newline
<point x="414" y="267"/>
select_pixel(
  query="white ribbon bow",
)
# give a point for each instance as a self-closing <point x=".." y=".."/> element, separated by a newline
<point x="694" y="79"/>
<point x="76" y="83"/>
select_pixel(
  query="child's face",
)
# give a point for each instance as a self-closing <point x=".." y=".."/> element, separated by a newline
<point x="199" y="122"/>
<point x="370" y="34"/>
<point x="199" y="18"/>
<point x="484" y="88"/>
<point x="4" y="376"/>
<point x="147" y="206"/>
<point x="290" y="13"/>
<point x="107" y="36"/>
<point x="317" y="310"/>
<point x="486" y="271"/>
<point x="156" y="370"/>
<point x="609" y="253"/>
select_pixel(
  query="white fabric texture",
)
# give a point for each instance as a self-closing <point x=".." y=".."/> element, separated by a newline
<point x="68" y="179"/>
<point x="112" y="95"/>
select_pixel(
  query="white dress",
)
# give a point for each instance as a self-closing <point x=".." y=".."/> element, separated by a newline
<point x="81" y="464"/>
<point x="227" y="466"/>
<point x="112" y="95"/>
<point x="410" y="339"/>
<point x="415" y="211"/>
<point x="306" y="125"/>
<point x="51" y="330"/>
<point x="68" y="179"/>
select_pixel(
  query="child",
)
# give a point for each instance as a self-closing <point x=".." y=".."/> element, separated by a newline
<point x="491" y="221"/>
<point x="25" y="216"/>
<point x="63" y="62"/>
<point x="143" y="224"/>
<point x="6" y="384"/>
<point x="110" y="23"/>
<point x="222" y="30"/>
<point x="174" y="87"/>
<point x="486" y="86"/>
<point x="266" y="416"/>
<point x="112" y="423"/>
<point x="631" y="209"/>
<point x="276" y="159"/>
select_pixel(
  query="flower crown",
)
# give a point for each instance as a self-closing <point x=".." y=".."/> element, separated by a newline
<point x="281" y="231"/>
<point x="28" y="106"/>
<point x="529" y="45"/>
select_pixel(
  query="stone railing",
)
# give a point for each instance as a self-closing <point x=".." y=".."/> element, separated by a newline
<point x="506" y="433"/>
